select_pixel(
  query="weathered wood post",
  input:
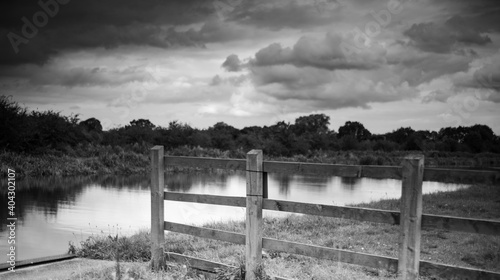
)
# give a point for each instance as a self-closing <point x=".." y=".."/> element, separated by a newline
<point x="157" y="209"/>
<point x="254" y="213"/>
<point x="411" y="217"/>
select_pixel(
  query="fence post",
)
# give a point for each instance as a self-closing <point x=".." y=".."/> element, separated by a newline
<point x="411" y="217"/>
<point x="157" y="208"/>
<point x="253" y="250"/>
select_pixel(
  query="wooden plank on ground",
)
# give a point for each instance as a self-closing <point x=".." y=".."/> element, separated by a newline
<point x="374" y="261"/>
<point x="353" y="213"/>
<point x="201" y="162"/>
<point x="443" y="271"/>
<point x="206" y="199"/>
<point x="214" y="234"/>
<point x="480" y="226"/>
<point x="37" y="261"/>
<point x="204" y="265"/>
<point x="197" y="263"/>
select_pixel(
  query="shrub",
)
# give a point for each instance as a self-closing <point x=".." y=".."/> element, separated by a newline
<point x="368" y="160"/>
<point x="133" y="248"/>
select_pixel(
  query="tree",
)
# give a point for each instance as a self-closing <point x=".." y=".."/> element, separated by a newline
<point x="91" y="124"/>
<point x="139" y="131"/>
<point x="50" y="130"/>
<point x="313" y="124"/>
<point x="92" y="130"/>
<point x="143" y="123"/>
<point x="13" y="125"/>
<point x="178" y="134"/>
<point x="223" y="135"/>
<point x="474" y="141"/>
<point x="401" y="135"/>
<point x="355" y="129"/>
<point x="312" y="132"/>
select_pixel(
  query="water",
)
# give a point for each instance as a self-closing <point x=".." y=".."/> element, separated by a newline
<point x="53" y="211"/>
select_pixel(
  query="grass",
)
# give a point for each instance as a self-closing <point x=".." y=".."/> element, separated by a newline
<point x="103" y="161"/>
<point x="442" y="246"/>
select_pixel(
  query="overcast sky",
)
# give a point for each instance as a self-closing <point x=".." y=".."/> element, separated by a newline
<point x="387" y="64"/>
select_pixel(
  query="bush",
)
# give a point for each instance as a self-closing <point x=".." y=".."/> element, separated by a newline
<point x="384" y="145"/>
<point x="134" y="248"/>
<point x="368" y="160"/>
<point x="348" y="143"/>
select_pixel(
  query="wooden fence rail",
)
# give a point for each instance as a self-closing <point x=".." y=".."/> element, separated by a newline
<point x="410" y="219"/>
<point x="368" y="171"/>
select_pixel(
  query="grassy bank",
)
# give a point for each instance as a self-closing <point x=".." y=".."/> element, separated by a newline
<point x="468" y="250"/>
<point x="93" y="160"/>
<point x="106" y="161"/>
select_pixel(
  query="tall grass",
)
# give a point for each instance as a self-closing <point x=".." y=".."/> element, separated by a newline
<point x="87" y="160"/>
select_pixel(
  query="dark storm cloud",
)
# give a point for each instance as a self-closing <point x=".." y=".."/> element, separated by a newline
<point x="480" y="15"/>
<point x="232" y="63"/>
<point x="32" y="33"/>
<point x="76" y="76"/>
<point x="417" y="67"/>
<point x="443" y="38"/>
<point x="437" y="95"/>
<point x="234" y="81"/>
<point x="319" y="73"/>
<point x="216" y="30"/>
<point x="469" y="23"/>
<point x="279" y="14"/>
<point x="83" y="77"/>
<point x="485" y="78"/>
<point x="326" y="53"/>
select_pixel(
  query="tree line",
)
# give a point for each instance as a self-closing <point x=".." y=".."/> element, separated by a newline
<point x="40" y="132"/>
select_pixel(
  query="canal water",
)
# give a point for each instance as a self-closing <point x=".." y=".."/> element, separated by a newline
<point x="52" y="212"/>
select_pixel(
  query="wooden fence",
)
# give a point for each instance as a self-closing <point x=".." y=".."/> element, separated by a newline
<point x="411" y="220"/>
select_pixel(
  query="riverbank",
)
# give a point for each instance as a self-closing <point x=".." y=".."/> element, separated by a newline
<point x="101" y="160"/>
<point x="461" y="249"/>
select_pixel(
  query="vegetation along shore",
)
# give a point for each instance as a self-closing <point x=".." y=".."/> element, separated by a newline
<point x="49" y="144"/>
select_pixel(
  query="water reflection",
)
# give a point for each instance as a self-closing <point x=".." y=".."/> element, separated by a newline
<point x="53" y="211"/>
<point x="182" y="182"/>
<point x="45" y="195"/>
<point x="350" y="183"/>
<point x="283" y="182"/>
